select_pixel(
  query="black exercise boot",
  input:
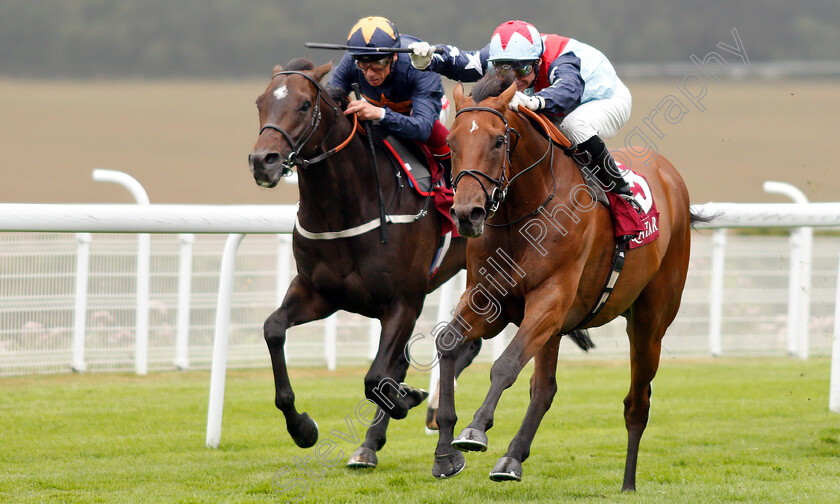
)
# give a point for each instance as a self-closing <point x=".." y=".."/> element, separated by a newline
<point x="602" y="165"/>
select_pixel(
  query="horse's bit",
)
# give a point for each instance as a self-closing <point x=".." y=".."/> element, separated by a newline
<point x="501" y="185"/>
<point x="294" y="158"/>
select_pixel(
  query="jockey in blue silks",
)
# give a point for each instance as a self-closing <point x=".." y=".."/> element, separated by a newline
<point x="405" y="101"/>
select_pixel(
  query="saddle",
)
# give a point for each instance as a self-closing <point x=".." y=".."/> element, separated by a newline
<point x="415" y="161"/>
<point x="620" y="209"/>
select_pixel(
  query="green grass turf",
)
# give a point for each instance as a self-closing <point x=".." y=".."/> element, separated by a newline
<point x="728" y="430"/>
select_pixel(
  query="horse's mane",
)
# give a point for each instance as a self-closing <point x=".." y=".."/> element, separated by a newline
<point x="490" y="85"/>
<point x="336" y="94"/>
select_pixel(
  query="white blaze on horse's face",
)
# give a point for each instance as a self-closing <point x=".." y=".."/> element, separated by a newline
<point x="474" y="126"/>
<point x="281" y="92"/>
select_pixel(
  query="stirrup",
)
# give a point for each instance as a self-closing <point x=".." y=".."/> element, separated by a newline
<point x="632" y="201"/>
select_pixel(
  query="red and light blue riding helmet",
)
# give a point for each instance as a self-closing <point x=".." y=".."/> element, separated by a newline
<point x="373" y="31"/>
<point x="515" y="41"/>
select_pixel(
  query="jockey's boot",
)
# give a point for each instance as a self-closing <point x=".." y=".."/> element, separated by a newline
<point x="601" y="164"/>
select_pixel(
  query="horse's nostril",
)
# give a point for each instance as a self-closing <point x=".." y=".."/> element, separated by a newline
<point x="477" y="214"/>
<point x="272" y="159"/>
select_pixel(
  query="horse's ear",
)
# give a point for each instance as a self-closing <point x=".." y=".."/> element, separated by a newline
<point x="508" y="93"/>
<point x="322" y="70"/>
<point x="458" y="94"/>
<point x="277" y="69"/>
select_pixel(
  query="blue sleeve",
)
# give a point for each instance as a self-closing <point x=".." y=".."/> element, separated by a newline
<point x="426" y="95"/>
<point x="344" y="74"/>
<point x="464" y="66"/>
<point x="566" y="85"/>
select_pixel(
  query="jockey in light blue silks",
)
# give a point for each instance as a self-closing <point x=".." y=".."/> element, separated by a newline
<point x="572" y="83"/>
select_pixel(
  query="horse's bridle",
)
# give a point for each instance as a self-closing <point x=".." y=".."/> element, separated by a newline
<point x="501" y="185"/>
<point x="294" y="158"/>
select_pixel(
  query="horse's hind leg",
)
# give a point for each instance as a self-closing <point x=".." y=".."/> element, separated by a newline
<point x="651" y="314"/>
<point x="300" y="305"/>
<point x="543" y="389"/>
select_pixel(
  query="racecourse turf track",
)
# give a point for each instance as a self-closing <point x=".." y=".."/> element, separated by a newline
<point x="724" y="430"/>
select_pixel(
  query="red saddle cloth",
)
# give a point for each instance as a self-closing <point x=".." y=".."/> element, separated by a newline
<point x="442" y="196"/>
<point x="626" y="220"/>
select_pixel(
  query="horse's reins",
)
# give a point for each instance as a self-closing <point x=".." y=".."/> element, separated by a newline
<point x="499" y="192"/>
<point x="294" y="157"/>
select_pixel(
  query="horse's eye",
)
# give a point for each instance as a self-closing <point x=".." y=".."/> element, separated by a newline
<point x="305" y="106"/>
<point x="500" y="142"/>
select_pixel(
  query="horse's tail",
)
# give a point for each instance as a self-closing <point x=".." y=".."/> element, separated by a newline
<point x="697" y="217"/>
<point x="582" y="339"/>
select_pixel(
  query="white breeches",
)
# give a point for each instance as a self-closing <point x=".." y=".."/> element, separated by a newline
<point x="598" y="117"/>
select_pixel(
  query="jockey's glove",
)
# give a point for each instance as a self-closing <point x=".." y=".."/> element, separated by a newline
<point x="421" y="54"/>
<point x="532" y="102"/>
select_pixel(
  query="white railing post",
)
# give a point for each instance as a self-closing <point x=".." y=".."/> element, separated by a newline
<point x="80" y="318"/>
<point x="284" y="259"/>
<point x="794" y="287"/>
<point x="330" y="341"/>
<point x="182" y="334"/>
<point x="716" y="292"/>
<point x="144" y="247"/>
<point x="220" y="342"/>
<point x="374" y="330"/>
<point x="799" y="293"/>
<point x="500" y="343"/>
<point x="834" y="385"/>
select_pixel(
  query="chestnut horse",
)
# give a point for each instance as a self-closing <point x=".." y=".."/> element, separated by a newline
<point x="341" y="262"/>
<point x="522" y="201"/>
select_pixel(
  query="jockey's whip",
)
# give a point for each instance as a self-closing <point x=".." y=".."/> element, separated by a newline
<point x="383" y="230"/>
<point x="339" y="47"/>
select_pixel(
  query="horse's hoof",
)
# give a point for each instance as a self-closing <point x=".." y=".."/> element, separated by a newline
<point x="431" y="419"/>
<point x="470" y="439"/>
<point x="448" y="465"/>
<point x="363" y="458"/>
<point x="412" y="395"/>
<point x="305" y="434"/>
<point x="507" y="469"/>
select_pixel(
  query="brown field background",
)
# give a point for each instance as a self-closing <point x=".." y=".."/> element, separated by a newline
<point x="187" y="142"/>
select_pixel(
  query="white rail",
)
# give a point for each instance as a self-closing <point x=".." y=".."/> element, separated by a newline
<point x="238" y="220"/>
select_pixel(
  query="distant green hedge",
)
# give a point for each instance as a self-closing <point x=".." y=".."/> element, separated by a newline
<point x="226" y="38"/>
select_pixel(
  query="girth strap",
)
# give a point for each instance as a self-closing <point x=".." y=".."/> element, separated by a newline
<point x="615" y="270"/>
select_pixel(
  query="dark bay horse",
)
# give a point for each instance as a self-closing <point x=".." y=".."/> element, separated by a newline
<point x="341" y="262"/>
<point x="528" y="207"/>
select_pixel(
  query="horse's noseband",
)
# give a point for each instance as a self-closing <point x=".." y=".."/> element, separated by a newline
<point x="500" y="188"/>
<point x="501" y="185"/>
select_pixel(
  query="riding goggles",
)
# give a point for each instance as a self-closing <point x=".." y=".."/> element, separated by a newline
<point x="520" y="69"/>
<point x="375" y="65"/>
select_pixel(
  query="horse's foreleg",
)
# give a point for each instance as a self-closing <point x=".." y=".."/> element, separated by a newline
<point x="448" y="461"/>
<point x="541" y="322"/>
<point x="365" y="455"/>
<point x="543" y="389"/>
<point x="464" y="359"/>
<point x="300" y="305"/>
